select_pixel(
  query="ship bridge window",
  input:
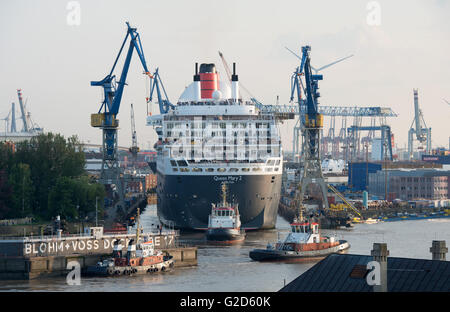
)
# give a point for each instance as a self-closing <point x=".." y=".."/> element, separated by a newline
<point x="269" y="169"/>
<point x="234" y="170"/>
<point x="221" y="169"/>
<point x="182" y="163"/>
<point x="173" y="163"/>
<point x="270" y="162"/>
<point x="184" y="169"/>
<point x="209" y="169"/>
<point x="257" y="169"/>
<point x="245" y="169"/>
<point x="197" y="169"/>
<point x="174" y="169"/>
<point x="277" y="162"/>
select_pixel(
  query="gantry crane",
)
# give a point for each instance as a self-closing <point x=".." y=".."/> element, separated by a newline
<point x="106" y="118"/>
<point x="419" y="128"/>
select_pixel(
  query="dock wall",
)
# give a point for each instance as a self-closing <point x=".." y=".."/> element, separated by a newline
<point x="84" y="245"/>
<point x="20" y="268"/>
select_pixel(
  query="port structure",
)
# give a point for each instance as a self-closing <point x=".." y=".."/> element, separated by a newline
<point x="311" y="125"/>
<point x="419" y="129"/>
<point x="134" y="149"/>
<point x="291" y="110"/>
<point x="357" y="112"/>
<point x="106" y="118"/>
<point x="29" y="128"/>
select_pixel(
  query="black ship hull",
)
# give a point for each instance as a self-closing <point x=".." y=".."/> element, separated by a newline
<point x="184" y="201"/>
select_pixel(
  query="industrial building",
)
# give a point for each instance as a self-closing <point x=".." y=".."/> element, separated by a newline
<point x="358" y="172"/>
<point x="410" y="184"/>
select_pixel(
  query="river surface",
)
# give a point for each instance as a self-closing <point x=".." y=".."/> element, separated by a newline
<point x="229" y="268"/>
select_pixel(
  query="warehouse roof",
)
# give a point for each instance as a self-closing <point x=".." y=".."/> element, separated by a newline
<point x="347" y="273"/>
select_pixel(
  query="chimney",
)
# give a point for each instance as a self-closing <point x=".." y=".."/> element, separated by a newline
<point x="197" y="91"/>
<point x="380" y="254"/>
<point x="438" y="250"/>
<point x="234" y="84"/>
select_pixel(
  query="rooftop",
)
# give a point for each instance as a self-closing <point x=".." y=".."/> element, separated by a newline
<point x="347" y="273"/>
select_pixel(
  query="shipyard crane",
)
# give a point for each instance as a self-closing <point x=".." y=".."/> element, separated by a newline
<point x="311" y="128"/>
<point x="134" y="149"/>
<point x="106" y="118"/>
<point x="419" y="129"/>
<point x="157" y="85"/>
<point x="323" y="67"/>
<point x="6" y="119"/>
<point x="229" y="76"/>
<point x="13" y="118"/>
<point x="296" y="87"/>
<point x="26" y="125"/>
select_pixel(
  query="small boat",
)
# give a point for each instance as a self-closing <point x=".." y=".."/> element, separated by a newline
<point x="141" y="258"/>
<point x="303" y="241"/>
<point x="371" y="221"/>
<point x="224" y="224"/>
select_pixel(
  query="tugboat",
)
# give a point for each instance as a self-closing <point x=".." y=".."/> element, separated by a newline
<point x="304" y="241"/>
<point x="141" y="258"/>
<point x="224" y="224"/>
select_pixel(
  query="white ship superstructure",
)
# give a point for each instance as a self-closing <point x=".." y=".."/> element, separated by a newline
<point x="213" y="136"/>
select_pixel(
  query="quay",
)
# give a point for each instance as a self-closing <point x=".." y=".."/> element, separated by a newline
<point x="35" y="257"/>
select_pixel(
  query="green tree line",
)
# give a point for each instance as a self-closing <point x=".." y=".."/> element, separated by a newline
<point x="45" y="177"/>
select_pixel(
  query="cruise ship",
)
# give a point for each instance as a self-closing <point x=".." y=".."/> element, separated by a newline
<point x="214" y="136"/>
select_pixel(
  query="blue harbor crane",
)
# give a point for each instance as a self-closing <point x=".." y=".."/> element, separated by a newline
<point x="157" y="85"/>
<point x="106" y="118"/>
<point x="311" y="129"/>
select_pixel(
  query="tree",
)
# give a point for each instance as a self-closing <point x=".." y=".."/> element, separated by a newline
<point x="50" y="157"/>
<point x="74" y="198"/>
<point x="45" y="177"/>
<point x="22" y="190"/>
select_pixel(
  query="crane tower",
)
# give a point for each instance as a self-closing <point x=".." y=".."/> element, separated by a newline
<point x="419" y="129"/>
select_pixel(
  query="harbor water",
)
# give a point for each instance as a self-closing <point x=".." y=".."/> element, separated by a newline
<point x="229" y="268"/>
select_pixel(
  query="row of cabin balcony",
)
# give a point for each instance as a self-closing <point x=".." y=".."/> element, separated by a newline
<point x="215" y="125"/>
<point x="238" y="102"/>
<point x="196" y="169"/>
<point x="259" y="162"/>
<point x="228" y="147"/>
<point x="197" y="134"/>
<point x="243" y="157"/>
<point x="209" y="118"/>
<point x="220" y="139"/>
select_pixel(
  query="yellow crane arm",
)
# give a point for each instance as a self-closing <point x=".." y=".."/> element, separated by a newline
<point x="345" y="201"/>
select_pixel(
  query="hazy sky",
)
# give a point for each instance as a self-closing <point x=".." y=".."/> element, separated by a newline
<point x="54" y="62"/>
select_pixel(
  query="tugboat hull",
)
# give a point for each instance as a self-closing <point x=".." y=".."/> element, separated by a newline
<point x="225" y="235"/>
<point x="280" y="255"/>
<point x="97" y="270"/>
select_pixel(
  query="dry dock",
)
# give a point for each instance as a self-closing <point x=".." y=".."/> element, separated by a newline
<point x="29" y="258"/>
